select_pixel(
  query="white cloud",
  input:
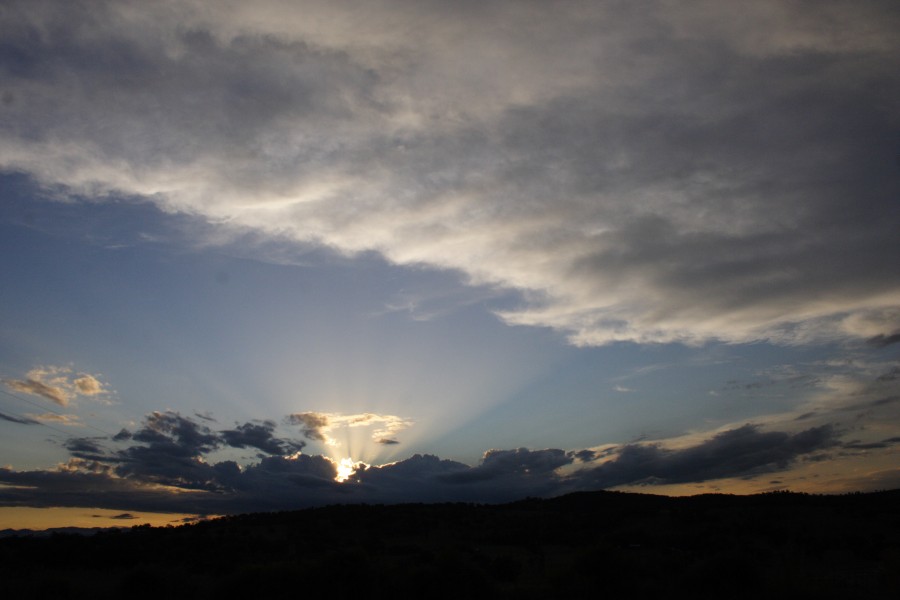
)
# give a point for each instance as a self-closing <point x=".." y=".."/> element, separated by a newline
<point x="658" y="174"/>
<point x="319" y="426"/>
<point x="57" y="384"/>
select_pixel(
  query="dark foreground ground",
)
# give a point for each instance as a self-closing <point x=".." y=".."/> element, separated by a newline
<point x="589" y="545"/>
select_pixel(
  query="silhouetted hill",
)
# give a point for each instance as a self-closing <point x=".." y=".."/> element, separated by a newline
<point x="575" y="546"/>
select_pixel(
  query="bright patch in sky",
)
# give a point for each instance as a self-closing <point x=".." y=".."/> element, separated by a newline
<point x="345" y="469"/>
<point x="491" y="250"/>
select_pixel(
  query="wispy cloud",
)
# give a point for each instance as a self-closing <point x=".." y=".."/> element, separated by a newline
<point x="15" y="419"/>
<point x="71" y="420"/>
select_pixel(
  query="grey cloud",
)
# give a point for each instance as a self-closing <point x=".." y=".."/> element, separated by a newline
<point x="418" y="468"/>
<point x="645" y="175"/>
<point x="171" y="428"/>
<point x="86" y="448"/>
<point x="20" y="420"/>
<point x="87" y="488"/>
<point x="123" y="435"/>
<point x="301" y="471"/>
<point x="504" y="463"/>
<point x="171" y="449"/>
<point x="584" y="455"/>
<point x="311" y="424"/>
<point x="260" y="436"/>
<point x="127" y="479"/>
<point x="735" y="453"/>
<point x="275" y="484"/>
<point x="892" y="375"/>
<point x="174" y="448"/>
<point x="867" y="404"/>
<point x="503" y="475"/>
<point x="172" y="452"/>
<point x="805" y="416"/>
<point x="386" y="441"/>
<point x="191" y="87"/>
<point x="886" y="400"/>
<point x="882" y="341"/>
<point x="859" y="445"/>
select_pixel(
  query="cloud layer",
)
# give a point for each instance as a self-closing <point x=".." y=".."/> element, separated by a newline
<point x="638" y="171"/>
<point x="166" y="465"/>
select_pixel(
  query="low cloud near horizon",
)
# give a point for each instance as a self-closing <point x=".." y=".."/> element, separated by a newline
<point x="153" y="468"/>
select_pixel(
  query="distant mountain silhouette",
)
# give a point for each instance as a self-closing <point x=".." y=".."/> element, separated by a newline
<point x="590" y="544"/>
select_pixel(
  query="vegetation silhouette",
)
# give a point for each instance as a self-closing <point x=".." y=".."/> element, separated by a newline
<point x="576" y="546"/>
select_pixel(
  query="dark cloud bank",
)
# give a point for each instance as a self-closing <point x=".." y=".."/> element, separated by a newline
<point x="163" y="467"/>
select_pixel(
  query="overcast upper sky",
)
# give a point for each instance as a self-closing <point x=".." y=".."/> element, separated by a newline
<point x="286" y="253"/>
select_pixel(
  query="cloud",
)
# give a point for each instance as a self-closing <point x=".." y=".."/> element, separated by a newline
<point x="167" y="466"/>
<point x="667" y="174"/>
<point x="171" y="428"/>
<point x="586" y="455"/>
<point x="171" y="453"/>
<point x="88" y="449"/>
<point x="88" y="385"/>
<point x="882" y="341"/>
<point x="858" y="445"/>
<point x="123" y="435"/>
<point x="20" y="420"/>
<point x="57" y="384"/>
<point x="37" y="388"/>
<point x="498" y="464"/>
<point x="887" y="479"/>
<point x="740" y="452"/>
<point x="260" y="436"/>
<point x="311" y="424"/>
<point x="317" y="426"/>
<point x="71" y="420"/>
<point x="502" y="475"/>
<point x="171" y="449"/>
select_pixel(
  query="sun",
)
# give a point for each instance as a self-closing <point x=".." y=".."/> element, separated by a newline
<point x="345" y="468"/>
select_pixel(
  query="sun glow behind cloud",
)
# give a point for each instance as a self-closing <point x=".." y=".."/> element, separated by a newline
<point x="346" y="467"/>
<point x="363" y="436"/>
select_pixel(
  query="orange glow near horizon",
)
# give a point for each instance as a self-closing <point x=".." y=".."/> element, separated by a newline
<point x="26" y="517"/>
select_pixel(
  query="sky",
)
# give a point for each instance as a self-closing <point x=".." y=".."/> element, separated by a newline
<point x="271" y="255"/>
